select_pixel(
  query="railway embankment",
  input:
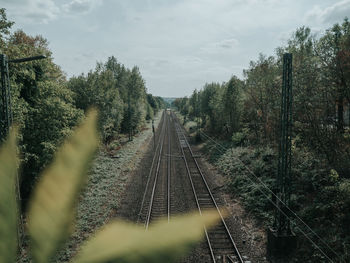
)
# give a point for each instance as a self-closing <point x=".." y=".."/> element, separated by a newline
<point x="318" y="202"/>
<point x="108" y="178"/>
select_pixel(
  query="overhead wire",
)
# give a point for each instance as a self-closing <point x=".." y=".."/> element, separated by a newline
<point x="274" y="204"/>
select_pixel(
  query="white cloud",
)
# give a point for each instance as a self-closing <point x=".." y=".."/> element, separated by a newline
<point x="331" y="14"/>
<point x="32" y="11"/>
<point x="80" y="6"/>
<point x="221" y="46"/>
<point x="178" y="44"/>
<point x="228" y="43"/>
<point x="44" y="11"/>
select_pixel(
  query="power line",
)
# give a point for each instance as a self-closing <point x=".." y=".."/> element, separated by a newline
<point x="289" y="209"/>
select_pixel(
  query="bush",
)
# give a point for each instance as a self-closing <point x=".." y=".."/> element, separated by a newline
<point x="240" y="138"/>
<point x="319" y="195"/>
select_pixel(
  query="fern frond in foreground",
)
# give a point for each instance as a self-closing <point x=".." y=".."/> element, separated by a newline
<point x="53" y="206"/>
<point x="163" y="242"/>
<point x="8" y="205"/>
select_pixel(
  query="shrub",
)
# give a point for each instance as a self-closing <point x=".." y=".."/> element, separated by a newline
<point x="240" y="138"/>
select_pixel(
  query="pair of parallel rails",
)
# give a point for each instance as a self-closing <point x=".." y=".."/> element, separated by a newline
<point x="157" y="201"/>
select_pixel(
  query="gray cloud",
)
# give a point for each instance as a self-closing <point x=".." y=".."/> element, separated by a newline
<point x="32" y="11"/>
<point x="330" y="14"/>
<point x="221" y="47"/>
<point x="177" y="44"/>
<point x="228" y="43"/>
<point x="79" y="6"/>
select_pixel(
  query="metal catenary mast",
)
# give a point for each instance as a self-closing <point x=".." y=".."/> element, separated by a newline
<point x="281" y="239"/>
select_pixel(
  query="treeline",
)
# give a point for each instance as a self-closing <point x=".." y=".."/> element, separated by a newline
<point x="248" y="110"/>
<point x="46" y="106"/>
<point x="246" y="113"/>
<point x="120" y="95"/>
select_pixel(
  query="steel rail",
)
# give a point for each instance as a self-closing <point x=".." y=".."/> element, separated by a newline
<point x="169" y="166"/>
<point x="148" y="219"/>
<point x="236" y="251"/>
<point x="195" y="194"/>
<point x="213" y="199"/>
<point x="151" y="169"/>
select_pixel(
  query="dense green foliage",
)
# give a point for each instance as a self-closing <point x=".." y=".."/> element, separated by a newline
<point x="119" y="94"/>
<point x="321" y="79"/>
<point x="51" y="214"/>
<point x="46" y="106"/>
<point x="246" y="113"/>
<point x="41" y="102"/>
<point x="320" y="197"/>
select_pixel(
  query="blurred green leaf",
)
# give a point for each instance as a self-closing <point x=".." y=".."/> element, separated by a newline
<point x="163" y="242"/>
<point x="52" y="208"/>
<point x="8" y="205"/>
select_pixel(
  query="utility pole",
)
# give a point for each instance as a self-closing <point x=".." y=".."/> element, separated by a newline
<point x="154" y="136"/>
<point x="129" y="114"/>
<point x="281" y="239"/>
<point x="6" y="110"/>
<point x="6" y="107"/>
<point x="6" y="119"/>
<point x="197" y="111"/>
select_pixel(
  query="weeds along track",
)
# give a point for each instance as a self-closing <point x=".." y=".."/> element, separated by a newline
<point x="221" y="245"/>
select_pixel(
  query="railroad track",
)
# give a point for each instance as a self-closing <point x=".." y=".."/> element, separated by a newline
<point x="160" y="195"/>
<point x="156" y="199"/>
<point x="222" y="247"/>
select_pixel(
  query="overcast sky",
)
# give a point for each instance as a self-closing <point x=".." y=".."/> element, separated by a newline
<point x="177" y="44"/>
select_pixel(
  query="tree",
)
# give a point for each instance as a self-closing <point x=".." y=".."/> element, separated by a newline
<point x="5" y="27"/>
<point x="99" y="89"/>
<point x="42" y="104"/>
<point x="135" y="110"/>
<point x="261" y="102"/>
<point x="195" y="106"/>
<point x="334" y="51"/>
<point x="231" y="102"/>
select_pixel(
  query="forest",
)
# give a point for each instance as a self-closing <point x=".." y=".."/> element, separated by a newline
<point x="244" y="115"/>
<point x="46" y="104"/>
